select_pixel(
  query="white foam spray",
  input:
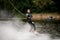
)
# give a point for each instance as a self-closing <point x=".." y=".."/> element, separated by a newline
<point x="17" y="30"/>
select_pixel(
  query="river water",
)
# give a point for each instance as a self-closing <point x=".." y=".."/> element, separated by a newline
<point x="15" y="29"/>
<point x="18" y="30"/>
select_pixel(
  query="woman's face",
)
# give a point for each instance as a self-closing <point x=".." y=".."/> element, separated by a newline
<point x="28" y="11"/>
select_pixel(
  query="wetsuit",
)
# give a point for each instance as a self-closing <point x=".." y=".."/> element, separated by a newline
<point x="29" y="19"/>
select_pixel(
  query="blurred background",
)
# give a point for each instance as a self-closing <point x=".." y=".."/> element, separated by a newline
<point x="42" y="8"/>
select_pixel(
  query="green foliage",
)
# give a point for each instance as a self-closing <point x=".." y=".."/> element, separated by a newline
<point x="44" y="5"/>
<point x="35" y="5"/>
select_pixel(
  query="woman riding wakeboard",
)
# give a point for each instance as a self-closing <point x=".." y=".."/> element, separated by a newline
<point x="29" y="20"/>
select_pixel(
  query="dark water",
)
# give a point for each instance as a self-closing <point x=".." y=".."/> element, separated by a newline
<point x="52" y="28"/>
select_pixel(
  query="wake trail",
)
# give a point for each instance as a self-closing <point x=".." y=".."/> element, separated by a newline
<point x="18" y="30"/>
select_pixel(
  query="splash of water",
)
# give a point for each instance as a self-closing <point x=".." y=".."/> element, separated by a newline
<point x="17" y="30"/>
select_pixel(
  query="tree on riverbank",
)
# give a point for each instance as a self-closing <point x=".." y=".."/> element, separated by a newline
<point x="35" y="5"/>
